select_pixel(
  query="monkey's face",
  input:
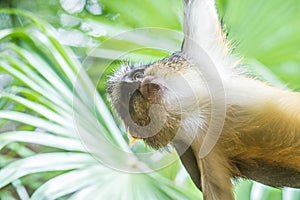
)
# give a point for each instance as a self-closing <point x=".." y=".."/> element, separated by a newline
<point x="147" y="98"/>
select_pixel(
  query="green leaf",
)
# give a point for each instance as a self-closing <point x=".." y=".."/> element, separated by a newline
<point x="36" y="122"/>
<point x="39" y="138"/>
<point x="43" y="163"/>
<point x="72" y="182"/>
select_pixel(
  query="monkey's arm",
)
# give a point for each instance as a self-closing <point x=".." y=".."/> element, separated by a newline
<point x="189" y="161"/>
<point x="201" y="24"/>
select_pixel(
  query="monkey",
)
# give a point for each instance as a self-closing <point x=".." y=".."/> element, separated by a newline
<point x="169" y="102"/>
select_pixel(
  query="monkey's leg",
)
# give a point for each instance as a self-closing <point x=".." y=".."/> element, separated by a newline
<point x="215" y="178"/>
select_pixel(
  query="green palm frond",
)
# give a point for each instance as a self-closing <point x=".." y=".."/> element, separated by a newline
<point x="60" y="105"/>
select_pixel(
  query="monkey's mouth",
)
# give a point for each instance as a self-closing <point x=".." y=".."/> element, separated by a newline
<point x="140" y="106"/>
<point x="143" y="115"/>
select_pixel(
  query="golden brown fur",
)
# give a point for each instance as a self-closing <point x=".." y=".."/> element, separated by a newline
<point x="260" y="142"/>
<point x="269" y="131"/>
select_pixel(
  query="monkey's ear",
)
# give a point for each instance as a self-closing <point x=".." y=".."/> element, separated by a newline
<point x="201" y="23"/>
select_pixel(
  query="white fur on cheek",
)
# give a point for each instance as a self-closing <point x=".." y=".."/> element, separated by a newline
<point x="184" y="92"/>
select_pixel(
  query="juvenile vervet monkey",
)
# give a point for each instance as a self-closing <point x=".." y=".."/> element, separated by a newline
<point x="172" y="102"/>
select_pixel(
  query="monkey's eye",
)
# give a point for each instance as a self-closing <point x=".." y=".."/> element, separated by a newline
<point x="138" y="75"/>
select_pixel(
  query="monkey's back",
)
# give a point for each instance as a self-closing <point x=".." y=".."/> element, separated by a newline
<point x="263" y="142"/>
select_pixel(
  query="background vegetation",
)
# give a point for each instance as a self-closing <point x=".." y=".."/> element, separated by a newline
<point x="47" y="97"/>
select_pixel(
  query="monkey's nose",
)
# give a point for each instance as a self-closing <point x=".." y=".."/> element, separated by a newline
<point x="150" y="91"/>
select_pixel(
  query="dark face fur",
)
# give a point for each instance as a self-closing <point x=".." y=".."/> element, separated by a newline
<point x="138" y="95"/>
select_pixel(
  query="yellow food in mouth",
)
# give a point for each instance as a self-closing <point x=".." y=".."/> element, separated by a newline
<point x="132" y="141"/>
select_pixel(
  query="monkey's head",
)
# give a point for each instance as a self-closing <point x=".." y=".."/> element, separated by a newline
<point x="150" y="98"/>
